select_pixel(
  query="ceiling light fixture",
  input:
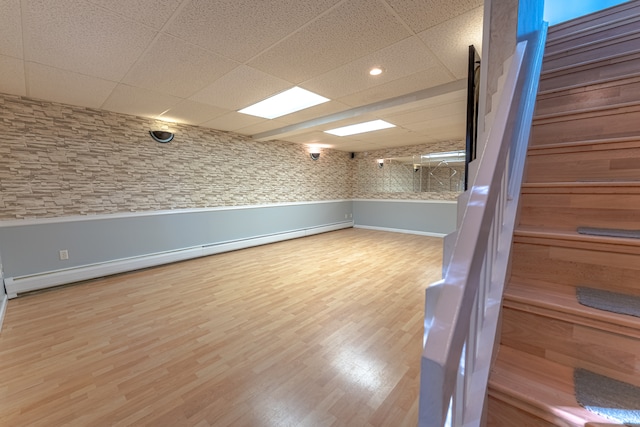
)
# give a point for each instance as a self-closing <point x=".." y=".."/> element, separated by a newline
<point x="360" y="128"/>
<point x="375" y="71"/>
<point x="287" y="102"/>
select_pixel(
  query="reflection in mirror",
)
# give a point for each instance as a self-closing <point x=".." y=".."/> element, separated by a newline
<point x="434" y="172"/>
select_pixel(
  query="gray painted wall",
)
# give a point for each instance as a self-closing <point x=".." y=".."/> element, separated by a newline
<point x="32" y="247"/>
<point x="430" y="217"/>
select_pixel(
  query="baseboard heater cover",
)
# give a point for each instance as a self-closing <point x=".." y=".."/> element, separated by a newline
<point x="17" y="285"/>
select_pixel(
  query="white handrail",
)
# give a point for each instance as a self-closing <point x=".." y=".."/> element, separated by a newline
<point x="461" y="311"/>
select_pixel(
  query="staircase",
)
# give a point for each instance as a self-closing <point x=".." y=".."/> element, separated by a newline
<point x="582" y="170"/>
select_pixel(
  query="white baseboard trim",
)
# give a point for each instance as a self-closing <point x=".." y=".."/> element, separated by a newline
<point x="399" y="230"/>
<point x="3" y="308"/>
<point x="17" y="285"/>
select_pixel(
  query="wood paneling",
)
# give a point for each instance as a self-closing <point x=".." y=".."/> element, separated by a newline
<point x="321" y="331"/>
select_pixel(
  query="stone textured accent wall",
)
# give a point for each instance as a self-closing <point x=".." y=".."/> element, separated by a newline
<point x="58" y="160"/>
<point x="372" y="182"/>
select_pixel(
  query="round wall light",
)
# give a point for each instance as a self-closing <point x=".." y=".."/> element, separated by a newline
<point x="161" y="136"/>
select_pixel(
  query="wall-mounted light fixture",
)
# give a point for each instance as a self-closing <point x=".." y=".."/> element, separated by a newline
<point x="162" y="136"/>
<point x="380" y="163"/>
<point x="314" y="153"/>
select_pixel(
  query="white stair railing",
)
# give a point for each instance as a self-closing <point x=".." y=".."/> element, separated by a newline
<point x="462" y="310"/>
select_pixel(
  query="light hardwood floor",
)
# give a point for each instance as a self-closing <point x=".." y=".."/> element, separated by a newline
<point x="320" y="331"/>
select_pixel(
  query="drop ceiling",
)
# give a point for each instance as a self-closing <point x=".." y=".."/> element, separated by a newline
<point x="199" y="61"/>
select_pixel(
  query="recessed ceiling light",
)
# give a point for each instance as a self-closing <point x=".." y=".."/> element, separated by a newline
<point x="360" y="128"/>
<point x="287" y="102"/>
<point x="375" y="71"/>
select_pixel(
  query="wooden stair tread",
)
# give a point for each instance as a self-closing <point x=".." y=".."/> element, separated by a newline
<point x="597" y="29"/>
<point x="589" y="95"/>
<point x="619" y="108"/>
<point x="582" y="86"/>
<point x="560" y="302"/>
<point x="592" y="63"/>
<point x="572" y="239"/>
<point x="594" y="44"/>
<point x="586" y="145"/>
<point x="583" y="187"/>
<point x="540" y="387"/>
<point x="593" y="21"/>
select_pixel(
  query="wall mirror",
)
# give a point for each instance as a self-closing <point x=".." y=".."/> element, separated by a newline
<point x="433" y="172"/>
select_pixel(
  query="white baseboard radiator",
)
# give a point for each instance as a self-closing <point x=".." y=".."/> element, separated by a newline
<point x="22" y="284"/>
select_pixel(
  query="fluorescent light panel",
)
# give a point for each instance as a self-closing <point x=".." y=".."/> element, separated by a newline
<point x="287" y="102"/>
<point x="360" y="128"/>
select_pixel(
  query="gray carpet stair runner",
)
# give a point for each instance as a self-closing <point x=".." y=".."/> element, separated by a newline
<point x="609" y="301"/>
<point x="609" y="398"/>
<point x="610" y="232"/>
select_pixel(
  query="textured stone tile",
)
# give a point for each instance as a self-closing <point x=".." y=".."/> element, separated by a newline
<point x="60" y="160"/>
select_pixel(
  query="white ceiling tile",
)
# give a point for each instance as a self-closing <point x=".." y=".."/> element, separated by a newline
<point x="354" y="29"/>
<point x="108" y="53"/>
<point x="401" y="137"/>
<point x="233" y="121"/>
<point x="454" y="123"/>
<point x="240" y="29"/>
<point x="12" y="72"/>
<point x="241" y="87"/>
<point x="324" y="109"/>
<point x="450" y="40"/>
<point x="311" y="137"/>
<point x="264" y="126"/>
<point x="193" y="113"/>
<point x="457" y="109"/>
<point x="139" y="102"/>
<point x="154" y="13"/>
<point x="348" y="121"/>
<point x="10" y="28"/>
<point x="421" y="80"/>
<point x="399" y="60"/>
<point x="423" y="14"/>
<point x="81" y="37"/>
<point x="177" y="68"/>
<point x="67" y="87"/>
<point x="355" y="147"/>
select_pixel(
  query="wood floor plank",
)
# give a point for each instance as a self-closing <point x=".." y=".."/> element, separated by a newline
<point x="320" y="331"/>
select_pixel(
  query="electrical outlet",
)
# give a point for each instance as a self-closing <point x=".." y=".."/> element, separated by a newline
<point x="350" y="215"/>
<point x="64" y="254"/>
